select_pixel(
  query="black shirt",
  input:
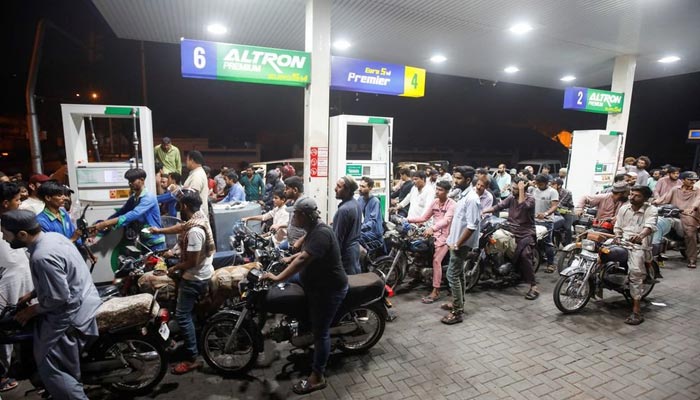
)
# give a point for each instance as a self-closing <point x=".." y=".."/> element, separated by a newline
<point x="326" y="270"/>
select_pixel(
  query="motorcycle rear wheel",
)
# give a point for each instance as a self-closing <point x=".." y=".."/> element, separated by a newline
<point x="372" y="321"/>
<point x="214" y="337"/>
<point x="472" y="273"/>
<point x="568" y="285"/>
<point x="129" y="347"/>
<point x="383" y="264"/>
<point x="651" y="277"/>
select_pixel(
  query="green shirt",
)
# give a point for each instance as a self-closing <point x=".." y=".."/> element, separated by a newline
<point x="170" y="160"/>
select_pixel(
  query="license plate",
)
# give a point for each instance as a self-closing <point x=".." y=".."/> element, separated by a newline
<point x="164" y="331"/>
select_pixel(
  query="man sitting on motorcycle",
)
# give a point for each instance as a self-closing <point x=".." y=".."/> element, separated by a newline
<point x="521" y="220"/>
<point x="441" y="211"/>
<point x="687" y="199"/>
<point x="196" y="248"/>
<point x="608" y="203"/>
<point x="565" y="208"/>
<point x="66" y="307"/>
<point x="636" y="222"/>
<point x="325" y="284"/>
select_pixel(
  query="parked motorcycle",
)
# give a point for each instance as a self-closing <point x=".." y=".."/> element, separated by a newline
<point x="586" y="223"/>
<point x="128" y="358"/>
<point x="232" y="339"/>
<point x="598" y="266"/>
<point x="411" y="255"/>
<point x="672" y="240"/>
<point x="492" y="262"/>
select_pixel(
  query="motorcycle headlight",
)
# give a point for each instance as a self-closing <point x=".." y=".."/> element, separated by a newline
<point x="588" y="245"/>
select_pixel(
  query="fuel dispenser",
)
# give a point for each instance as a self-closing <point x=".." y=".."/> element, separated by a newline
<point x="378" y="167"/>
<point x="98" y="185"/>
<point x="595" y="156"/>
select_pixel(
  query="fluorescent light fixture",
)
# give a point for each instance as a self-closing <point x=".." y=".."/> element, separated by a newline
<point x="669" y="59"/>
<point x="216" y="29"/>
<point x="511" y="70"/>
<point x="341" y="44"/>
<point x="568" y="78"/>
<point x="520" y="29"/>
<point x="438" y="58"/>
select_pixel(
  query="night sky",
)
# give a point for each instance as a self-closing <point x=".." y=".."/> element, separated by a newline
<point x="464" y="114"/>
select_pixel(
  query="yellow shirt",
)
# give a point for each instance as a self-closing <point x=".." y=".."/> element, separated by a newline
<point x="170" y="160"/>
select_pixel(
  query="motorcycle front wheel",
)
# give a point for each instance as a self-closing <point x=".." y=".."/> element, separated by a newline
<point x="237" y="360"/>
<point x="565" y="293"/>
<point x="370" y="322"/>
<point x="145" y="355"/>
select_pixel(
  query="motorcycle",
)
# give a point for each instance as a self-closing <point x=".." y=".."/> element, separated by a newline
<point x="492" y="261"/>
<point x="411" y="255"/>
<point x="598" y="266"/>
<point x="586" y="223"/>
<point x="672" y="239"/>
<point x="232" y="339"/>
<point x="127" y="358"/>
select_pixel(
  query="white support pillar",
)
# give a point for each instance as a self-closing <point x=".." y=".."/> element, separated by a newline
<point x="317" y="95"/>
<point x="622" y="82"/>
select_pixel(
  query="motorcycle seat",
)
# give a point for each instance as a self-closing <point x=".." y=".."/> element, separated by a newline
<point x="363" y="288"/>
<point x="124" y="312"/>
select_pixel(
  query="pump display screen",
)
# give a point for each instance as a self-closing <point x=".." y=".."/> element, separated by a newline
<point x="100" y="177"/>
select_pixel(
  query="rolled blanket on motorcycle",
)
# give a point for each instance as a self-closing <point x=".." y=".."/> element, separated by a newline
<point x="156" y="280"/>
<point x="127" y="311"/>
<point x="224" y="283"/>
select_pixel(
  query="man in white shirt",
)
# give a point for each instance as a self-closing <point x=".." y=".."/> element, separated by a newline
<point x="279" y="216"/>
<point x="197" y="179"/>
<point x="33" y="202"/>
<point x="420" y="197"/>
<point x="197" y="248"/>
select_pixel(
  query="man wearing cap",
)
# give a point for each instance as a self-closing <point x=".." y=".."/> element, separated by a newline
<point x="66" y="307"/>
<point x="141" y="208"/>
<point x="631" y="178"/>
<point x="325" y="284"/>
<point x="636" y="222"/>
<point x="608" y="203"/>
<point x="668" y="182"/>
<point x="33" y="202"/>
<point x="272" y="185"/>
<point x="347" y="222"/>
<point x="168" y="155"/>
<point x="687" y="199"/>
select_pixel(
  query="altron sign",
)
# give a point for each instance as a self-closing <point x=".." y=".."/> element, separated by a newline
<point x="593" y="100"/>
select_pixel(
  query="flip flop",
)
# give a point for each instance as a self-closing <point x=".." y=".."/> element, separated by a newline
<point x="447" y="306"/>
<point x="691" y="266"/>
<point x="430" y="300"/>
<point x="452" y="318"/>
<point x="532" y="295"/>
<point x="549" y="269"/>
<point x="7" y="384"/>
<point x="185" y="367"/>
<point x="304" y="387"/>
<point x="634" y="319"/>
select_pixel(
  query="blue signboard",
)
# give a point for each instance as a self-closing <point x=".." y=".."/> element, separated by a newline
<point x="593" y="100"/>
<point x="374" y="77"/>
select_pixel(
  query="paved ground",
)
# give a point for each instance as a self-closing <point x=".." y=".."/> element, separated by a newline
<point x="508" y="348"/>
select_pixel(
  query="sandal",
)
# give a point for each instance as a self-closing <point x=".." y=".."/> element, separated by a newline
<point x="549" y="269"/>
<point x="7" y="384"/>
<point x="447" y="306"/>
<point x="532" y="294"/>
<point x="634" y="319"/>
<point x="430" y="299"/>
<point x="452" y="318"/>
<point x="304" y="387"/>
<point x="185" y="367"/>
<point x="691" y="266"/>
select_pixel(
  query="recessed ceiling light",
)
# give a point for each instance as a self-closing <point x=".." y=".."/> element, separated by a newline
<point x="438" y="58"/>
<point x="512" y="69"/>
<point x="521" y="28"/>
<point x="568" y="78"/>
<point x="341" y="44"/>
<point x="216" y="29"/>
<point x="669" y="59"/>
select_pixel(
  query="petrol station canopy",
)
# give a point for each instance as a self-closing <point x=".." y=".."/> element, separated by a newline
<point x="567" y="37"/>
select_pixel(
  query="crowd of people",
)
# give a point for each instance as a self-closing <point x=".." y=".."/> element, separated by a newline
<point x="452" y="205"/>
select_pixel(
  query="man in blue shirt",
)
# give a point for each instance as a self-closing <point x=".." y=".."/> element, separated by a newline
<point x="167" y="199"/>
<point x="235" y="190"/>
<point x="346" y="224"/>
<point x="372" y="229"/>
<point x="142" y="208"/>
